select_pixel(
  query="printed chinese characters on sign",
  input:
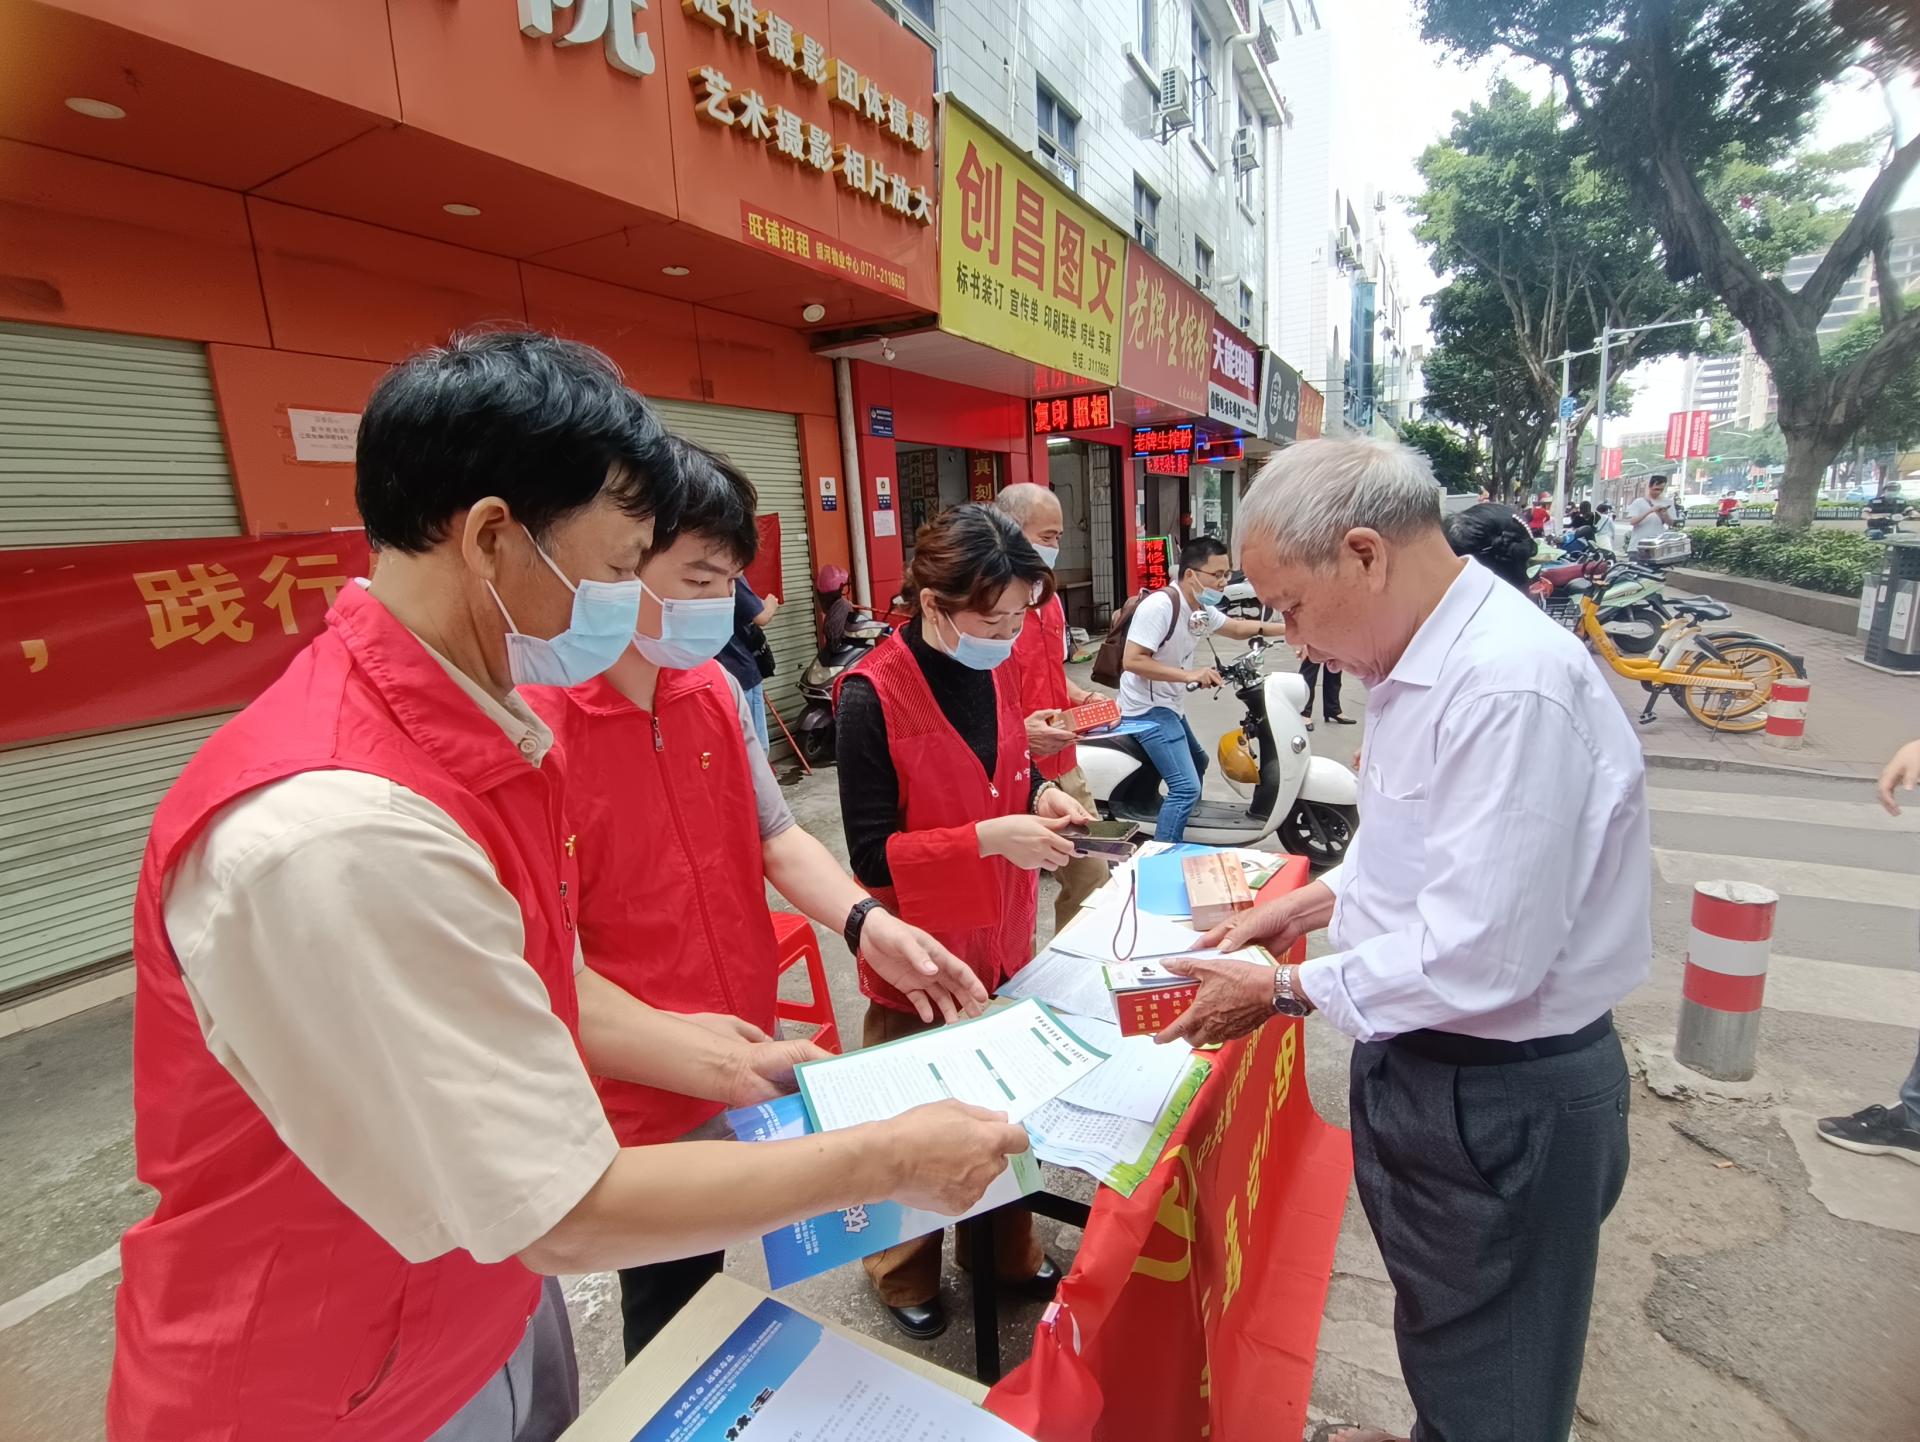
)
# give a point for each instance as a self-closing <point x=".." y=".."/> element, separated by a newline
<point x="1233" y="395"/>
<point x="872" y="172"/>
<point x="1168" y="335"/>
<point x="629" y="48"/>
<point x="1023" y="267"/>
<point x="1073" y="413"/>
<point x="123" y="634"/>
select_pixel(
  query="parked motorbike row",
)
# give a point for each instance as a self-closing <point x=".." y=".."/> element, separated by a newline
<point x="1308" y="800"/>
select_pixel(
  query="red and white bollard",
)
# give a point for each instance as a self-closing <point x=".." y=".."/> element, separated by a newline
<point x="1726" y="978"/>
<point x="1787" y="713"/>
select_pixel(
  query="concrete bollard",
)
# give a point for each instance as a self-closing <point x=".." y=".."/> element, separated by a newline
<point x="1787" y="714"/>
<point x="1725" y="979"/>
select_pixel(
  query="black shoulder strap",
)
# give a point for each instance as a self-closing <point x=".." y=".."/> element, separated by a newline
<point x="1173" y="595"/>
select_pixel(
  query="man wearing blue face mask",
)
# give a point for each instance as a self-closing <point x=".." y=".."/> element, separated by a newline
<point x="1159" y="667"/>
<point x="681" y="827"/>
<point x="363" y="1028"/>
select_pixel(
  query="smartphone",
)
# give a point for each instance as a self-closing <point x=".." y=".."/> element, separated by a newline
<point x="1108" y="840"/>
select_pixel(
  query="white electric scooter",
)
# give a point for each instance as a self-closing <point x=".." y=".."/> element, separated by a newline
<point x="1309" y="800"/>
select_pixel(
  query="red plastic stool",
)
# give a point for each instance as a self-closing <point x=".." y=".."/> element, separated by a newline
<point x="794" y="939"/>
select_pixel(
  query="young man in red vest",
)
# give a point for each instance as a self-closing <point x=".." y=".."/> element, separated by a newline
<point x="671" y="786"/>
<point x="1040" y="665"/>
<point x="360" y="1024"/>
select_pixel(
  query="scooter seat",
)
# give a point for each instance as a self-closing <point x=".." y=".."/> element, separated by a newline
<point x="1124" y="738"/>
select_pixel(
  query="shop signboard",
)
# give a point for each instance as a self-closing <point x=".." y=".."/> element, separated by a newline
<point x="1313" y="412"/>
<point x="880" y="421"/>
<point x="1092" y="412"/>
<point x="1233" y="378"/>
<point x="1024" y="267"/>
<point x="1153" y="556"/>
<point x="1280" y="392"/>
<point x="1167" y="342"/>
<point x="1163" y="440"/>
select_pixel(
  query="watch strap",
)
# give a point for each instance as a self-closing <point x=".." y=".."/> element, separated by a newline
<point x="857" y="923"/>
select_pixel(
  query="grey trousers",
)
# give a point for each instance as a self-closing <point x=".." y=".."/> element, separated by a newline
<point x="536" y="1396"/>
<point x="1486" y="1187"/>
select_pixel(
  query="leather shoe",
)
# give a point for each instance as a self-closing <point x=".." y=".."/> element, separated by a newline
<point x="1042" y="1284"/>
<point x="922" y="1323"/>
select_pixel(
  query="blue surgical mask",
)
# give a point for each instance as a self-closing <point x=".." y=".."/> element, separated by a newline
<point x="982" y="653"/>
<point x="692" y="632"/>
<point x="1211" y="597"/>
<point x="1048" y="554"/>
<point x="604" y="616"/>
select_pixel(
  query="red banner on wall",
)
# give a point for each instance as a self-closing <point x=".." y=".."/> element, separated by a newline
<point x="95" y="637"/>
<point x="1313" y="413"/>
<point x="764" y="577"/>
<point x="1193" y="1308"/>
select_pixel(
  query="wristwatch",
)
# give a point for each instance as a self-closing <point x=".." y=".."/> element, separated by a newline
<point x="1287" y="1000"/>
<point x="856" y="923"/>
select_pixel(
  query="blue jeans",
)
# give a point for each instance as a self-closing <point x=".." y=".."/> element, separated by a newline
<point x="1169" y="741"/>
<point x="756" y="699"/>
<point x="1910" y="1094"/>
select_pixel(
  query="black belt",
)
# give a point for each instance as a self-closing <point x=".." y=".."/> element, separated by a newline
<point x="1452" y="1048"/>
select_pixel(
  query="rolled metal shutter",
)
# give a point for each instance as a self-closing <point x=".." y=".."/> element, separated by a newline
<point x="766" y="446"/>
<point x="108" y="438"/>
<point x="73" y="824"/>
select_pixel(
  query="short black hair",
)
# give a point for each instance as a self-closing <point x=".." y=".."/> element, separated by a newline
<point x="545" y="424"/>
<point x="717" y="501"/>
<point x="1496" y="538"/>
<point x="1200" y="550"/>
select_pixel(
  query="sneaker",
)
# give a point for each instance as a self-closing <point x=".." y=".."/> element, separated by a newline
<point x="1876" y="1132"/>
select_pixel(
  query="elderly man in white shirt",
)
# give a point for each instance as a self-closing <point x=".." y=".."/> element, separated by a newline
<point x="1486" y="920"/>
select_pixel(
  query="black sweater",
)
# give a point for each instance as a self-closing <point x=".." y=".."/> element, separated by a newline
<point x="869" y="786"/>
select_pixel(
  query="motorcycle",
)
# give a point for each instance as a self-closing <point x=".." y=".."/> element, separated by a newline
<point x="814" y="731"/>
<point x="1310" y="801"/>
<point x="1241" y="600"/>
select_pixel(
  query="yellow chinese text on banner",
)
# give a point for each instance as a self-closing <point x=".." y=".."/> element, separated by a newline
<point x="1023" y="268"/>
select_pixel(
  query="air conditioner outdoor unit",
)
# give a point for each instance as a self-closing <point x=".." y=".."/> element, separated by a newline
<point x="1176" y="99"/>
<point x="1246" y="150"/>
<point x="1061" y="169"/>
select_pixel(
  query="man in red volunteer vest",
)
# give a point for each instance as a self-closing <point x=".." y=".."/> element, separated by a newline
<point x="360" y="1023"/>
<point x="1040" y="666"/>
<point x="947" y="822"/>
<point x="681" y="827"/>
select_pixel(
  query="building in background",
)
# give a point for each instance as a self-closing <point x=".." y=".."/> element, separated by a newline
<point x="1713" y="386"/>
<point x="1109" y="174"/>
<point x="1342" y="314"/>
<point x="1861" y="293"/>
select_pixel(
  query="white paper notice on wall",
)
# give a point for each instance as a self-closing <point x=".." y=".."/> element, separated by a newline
<point x="883" y="523"/>
<point x="326" y="437"/>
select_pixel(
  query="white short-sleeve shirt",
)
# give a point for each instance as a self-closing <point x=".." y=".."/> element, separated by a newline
<point x="1150" y="628"/>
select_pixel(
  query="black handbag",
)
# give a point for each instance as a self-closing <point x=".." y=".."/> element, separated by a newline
<point x="761" y="652"/>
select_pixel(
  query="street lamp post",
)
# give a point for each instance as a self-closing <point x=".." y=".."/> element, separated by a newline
<point x="1608" y="335"/>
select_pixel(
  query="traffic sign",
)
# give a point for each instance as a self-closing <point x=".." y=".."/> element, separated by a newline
<point x="1567" y="408"/>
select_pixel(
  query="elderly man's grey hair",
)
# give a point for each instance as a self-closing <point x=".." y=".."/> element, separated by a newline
<point x="1309" y="496"/>
<point x="1021" y="499"/>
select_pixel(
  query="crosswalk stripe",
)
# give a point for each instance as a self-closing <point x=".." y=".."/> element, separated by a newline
<point x="1817" y="879"/>
<point x="1841" y="989"/>
<point x="1745" y="806"/>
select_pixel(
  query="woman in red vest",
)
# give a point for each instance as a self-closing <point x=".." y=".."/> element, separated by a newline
<point x="947" y="820"/>
<point x="362" y="1032"/>
<point x="680" y="827"/>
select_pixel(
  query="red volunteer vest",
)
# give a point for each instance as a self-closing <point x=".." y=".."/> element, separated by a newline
<point x="253" y="1303"/>
<point x="942" y="785"/>
<point x="1039" y="662"/>
<point x="673" y="899"/>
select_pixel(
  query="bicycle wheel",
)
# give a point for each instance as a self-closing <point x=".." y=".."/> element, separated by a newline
<point x="1719" y="709"/>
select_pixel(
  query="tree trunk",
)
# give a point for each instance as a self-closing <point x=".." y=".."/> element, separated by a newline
<point x="1809" y="453"/>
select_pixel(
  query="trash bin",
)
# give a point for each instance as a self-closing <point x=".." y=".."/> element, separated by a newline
<point x="1893" y="637"/>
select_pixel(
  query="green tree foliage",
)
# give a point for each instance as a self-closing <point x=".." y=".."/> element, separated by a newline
<point x="1455" y="458"/>
<point x="1543" y="248"/>
<point x="1667" y="94"/>
<point x="1892" y="421"/>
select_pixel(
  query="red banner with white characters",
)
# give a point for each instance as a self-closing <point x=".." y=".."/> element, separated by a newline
<point x="95" y="637"/>
<point x="1193" y="1308"/>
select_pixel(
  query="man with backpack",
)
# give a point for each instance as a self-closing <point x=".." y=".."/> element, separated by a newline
<point x="1157" y="667"/>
